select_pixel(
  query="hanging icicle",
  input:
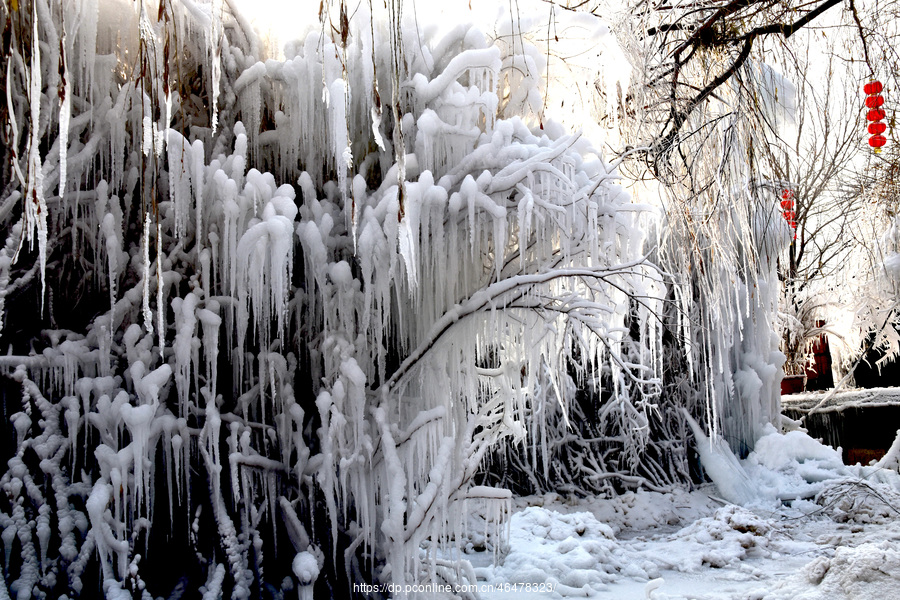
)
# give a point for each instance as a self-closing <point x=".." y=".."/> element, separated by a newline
<point x="145" y="277"/>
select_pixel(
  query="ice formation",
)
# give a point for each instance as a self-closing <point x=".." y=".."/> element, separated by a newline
<point x="325" y="315"/>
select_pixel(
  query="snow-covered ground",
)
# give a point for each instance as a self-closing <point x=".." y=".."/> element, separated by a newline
<point x="815" y="529"/>
<point x="687" y="545"/>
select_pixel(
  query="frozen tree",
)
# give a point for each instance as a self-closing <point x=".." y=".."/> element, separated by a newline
<point x="875" y="336"/>
<point x="878" y="318"/>
<point x="699" y="105"/>
<point x="269" y="320"/>
<point x="717" y="89"/>
<point x="836" y="264"/>
<point x="811" y="163"/>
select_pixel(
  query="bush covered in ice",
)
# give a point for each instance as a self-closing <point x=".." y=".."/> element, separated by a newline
<point x="262" y="308"/>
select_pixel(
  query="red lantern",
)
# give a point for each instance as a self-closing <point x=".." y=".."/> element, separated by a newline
<point x="787" y="209"/>
<point x="877" y="141"/>
<point x="873" y="87"/>
<point x="874" y="101"/>
<point x="877" y="127"/>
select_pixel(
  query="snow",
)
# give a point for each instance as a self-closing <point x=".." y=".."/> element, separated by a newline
<point x="692" y="545"/>
<point x="842" y="399"/>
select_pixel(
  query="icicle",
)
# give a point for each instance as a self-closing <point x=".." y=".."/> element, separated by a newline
<point x="185" y="326"/>
<point x="35" y="206"/>
<point x="168" y="118"/>
<point x="210" y="322"/>
<point x="113" y="247"/>
<point x="159" y="139"/>
<point x="407" y="244"/>
<point x="214" y="51"/>
<point x="148" y="314"/>
<point x="160" y="295"/>
<point x="339" y="138"/>
<point x="65" y="113"/>
<point x="525" y="210"/>
<point x="147" y="145"/>
<point x="247" y="86"/>
<point x="179" y="180"/>
<point x="177" y="462"/>
<point x="13" y="126"/>
<point x="198" y="167"/>
<point x="116" y="117"/>
<point x="376" y="127"/>
<point x="5" y="262"/>
<point x="358" y="194"/>
<point x="104" y="537"/>
<point x="139" y="419"/>
<point x="206" y="256"/>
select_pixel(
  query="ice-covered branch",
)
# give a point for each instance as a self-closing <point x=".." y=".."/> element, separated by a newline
<point x="487" y="298"/>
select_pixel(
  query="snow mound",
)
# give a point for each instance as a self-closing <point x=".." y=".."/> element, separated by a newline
<point x="646" y="510"/>
<point x="871" y="570"/>
<point x="839" y="544"/>
<point x="633" y="511"/>
<point x="725" y="539"/>
<point x="791" y="466"/>
<point x="575" y="553"/>
<point x="778" y="452"/>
